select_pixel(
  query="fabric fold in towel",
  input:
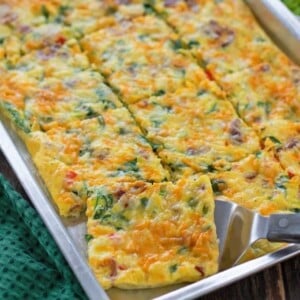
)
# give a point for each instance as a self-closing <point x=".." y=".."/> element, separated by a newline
<point x="31" y="265"/>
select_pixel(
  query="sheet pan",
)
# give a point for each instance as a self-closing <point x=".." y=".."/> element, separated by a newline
<point x="284" y="28"/>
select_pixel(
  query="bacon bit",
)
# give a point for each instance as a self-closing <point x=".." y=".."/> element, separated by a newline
<point x="196" y="151"/>
<point x="113" y="268"/>
<point x="70" y="177"/>
<point x="250" y="175"/>
<point x="139" y="187"/>
<point x="25" y="29"/>
<point x="71" y="174"/>
<point x="202" y="187"/>
<point x="125" y="2"/>
<point x="265" y="67"/>
<point x="222" y="34"/>
<point x="292" y="143"/>
<point x="143" y="104"/>
<point x="144" y="153"/>
<point x="101" y="154"/>
<point x="122" y="267"/>
<point x="170" y="3"/>
<point x="296" y="75"/>
<point x="290" y="174"/>
<point x="192" y="4"/>
<point x="8" y="18"/>
<point x="235" y="131"/>
<point x="209" y="75"/>
<point x="200" y="270"/>
<point x="119" y="193"/>
<point x="47" y="53"/>
<point x="114" y="237"/>
<point x="60" y="40"/>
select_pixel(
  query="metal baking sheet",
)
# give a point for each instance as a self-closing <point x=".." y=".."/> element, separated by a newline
<point x="284" y="28"/>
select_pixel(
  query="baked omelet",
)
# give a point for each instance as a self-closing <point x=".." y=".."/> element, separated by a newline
<point x="47" y="102"/>
<point x="106" y="148"/>
<point x="139" y="113"/>
<point x="145" y="235"/>
<point x="195" y="129"/>
<point x="264" y="93"/>
<point x="141" y="58"/>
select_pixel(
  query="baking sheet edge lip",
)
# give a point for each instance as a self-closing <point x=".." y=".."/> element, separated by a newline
<point x="285" y="15"/>
<point x="49" y="216"/>
<point x="224" y="278"/>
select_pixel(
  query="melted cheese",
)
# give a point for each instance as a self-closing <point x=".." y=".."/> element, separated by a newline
<point x="264" y="93"/>
<point x="106" y="148"/>
<point x="51" y="102"/>
<point x="195" y="129"/>
<point x="146" y="235"/>
<point x="140" y="59"/>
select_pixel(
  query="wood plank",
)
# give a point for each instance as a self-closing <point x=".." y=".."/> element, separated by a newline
<point x="291" y="278"/>
<point x="266" y="285"/>
<point x="274" y="283"/>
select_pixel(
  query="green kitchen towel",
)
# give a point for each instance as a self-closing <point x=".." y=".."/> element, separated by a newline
<point x="31" y="265"/>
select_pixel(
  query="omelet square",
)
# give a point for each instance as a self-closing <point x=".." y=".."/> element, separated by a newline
<point x="50" y="102"/>
<point x="143" y="235"/>
<point x="28" y="25"/>
<point x="55" y="60"/>
<point x="53" y="84"/>
<point x="258" y="182"/>
<point x="22" y="16"/>
<point x="195" y="129"/>
<point x="141" y="57"/>
<point x="106" y="148"/>
<point x="264" y="93"/>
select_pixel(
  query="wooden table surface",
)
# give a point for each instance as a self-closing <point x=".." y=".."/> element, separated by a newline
<point x="279" y="282"/>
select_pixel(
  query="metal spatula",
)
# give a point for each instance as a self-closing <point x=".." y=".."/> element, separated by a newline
<point x="238" y="228"/>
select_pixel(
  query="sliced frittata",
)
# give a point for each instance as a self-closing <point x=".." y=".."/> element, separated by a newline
<point x="106" y="148"/>
<point x="22" y="16"/>
<point x="33" y="23"/>
<point x="194" y="129"/>
<point x="144" y="235"/>
<point x="47" y="102"/>
<point x="56" y="60"/>
<point x="264" y="93"/>
<point x="141" y="57"/>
